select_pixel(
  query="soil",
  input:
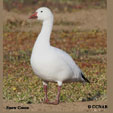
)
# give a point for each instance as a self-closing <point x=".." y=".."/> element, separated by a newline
<point x="62" y="107"/>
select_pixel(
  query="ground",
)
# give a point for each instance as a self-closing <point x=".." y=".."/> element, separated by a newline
<point x="62" y="107"/>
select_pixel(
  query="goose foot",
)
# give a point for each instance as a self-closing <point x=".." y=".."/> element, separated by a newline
<point x="54" y="103"/>
<point x="46" y="101"/>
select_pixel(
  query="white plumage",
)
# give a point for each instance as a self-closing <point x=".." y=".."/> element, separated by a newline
<point x="48" y="62"/>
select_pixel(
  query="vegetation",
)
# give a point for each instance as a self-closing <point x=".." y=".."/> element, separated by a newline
<point x="22" y="85"/>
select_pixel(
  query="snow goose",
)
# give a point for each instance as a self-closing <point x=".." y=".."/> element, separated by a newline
<point x="50" y="63"/>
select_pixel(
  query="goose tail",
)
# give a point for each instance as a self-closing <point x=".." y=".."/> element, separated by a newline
<point x="85" y="79"/>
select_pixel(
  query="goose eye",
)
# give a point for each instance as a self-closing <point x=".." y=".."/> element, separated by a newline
<point x="41" y="11"/>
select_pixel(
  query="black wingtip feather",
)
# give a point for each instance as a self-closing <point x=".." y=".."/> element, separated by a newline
<point x="85" y="78"/>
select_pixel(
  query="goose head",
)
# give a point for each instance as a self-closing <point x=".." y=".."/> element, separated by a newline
<point x="43" y="14"/>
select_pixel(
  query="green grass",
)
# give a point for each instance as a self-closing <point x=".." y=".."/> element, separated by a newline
<point x="88" y="49"/>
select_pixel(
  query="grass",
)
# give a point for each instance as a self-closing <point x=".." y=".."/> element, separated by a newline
<point x="87" y="48"/>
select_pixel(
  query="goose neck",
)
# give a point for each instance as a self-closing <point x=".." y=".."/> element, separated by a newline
<point x="43" y="40"/>
<point x="44" y="36"/>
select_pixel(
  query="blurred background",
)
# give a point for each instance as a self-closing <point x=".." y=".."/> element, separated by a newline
<point x="80" y="28"/>
<point x="84" y="14"/>
<point x="58" y="5"/>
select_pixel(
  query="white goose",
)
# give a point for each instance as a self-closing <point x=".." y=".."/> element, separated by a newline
<point x="50" y="63"/>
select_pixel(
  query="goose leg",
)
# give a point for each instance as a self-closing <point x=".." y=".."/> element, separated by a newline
<point x="57" y="99"/>
<point x="45" y="90"/>
<point x="58" y="94"/>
